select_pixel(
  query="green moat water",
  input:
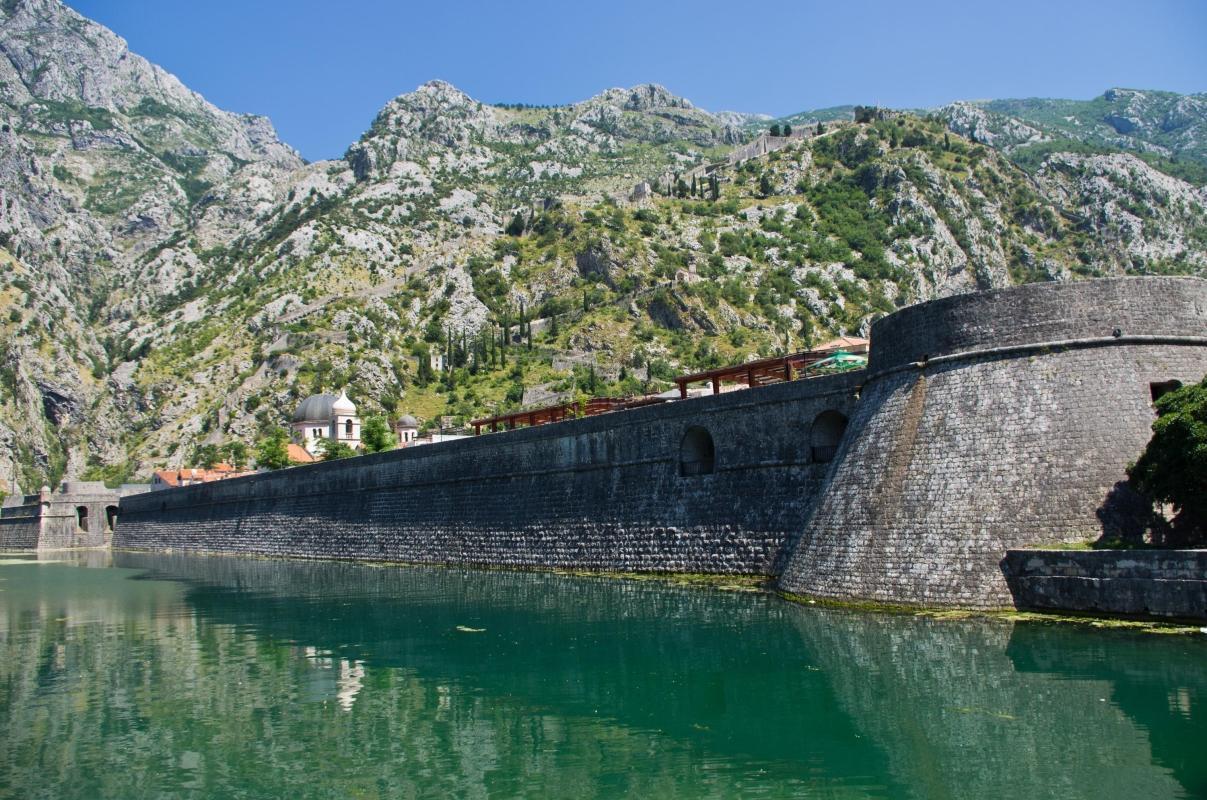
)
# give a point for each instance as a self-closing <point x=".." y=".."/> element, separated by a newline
<point x="171" y="676"/>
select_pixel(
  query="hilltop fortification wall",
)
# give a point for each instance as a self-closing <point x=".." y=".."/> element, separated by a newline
<point x="996" y="421"/>
<point x="631" y="491"/>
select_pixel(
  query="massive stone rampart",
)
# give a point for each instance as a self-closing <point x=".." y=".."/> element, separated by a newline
<point x="996" y="421"/>
<point x="631" y="491"/>
<point x="984" y="423"/>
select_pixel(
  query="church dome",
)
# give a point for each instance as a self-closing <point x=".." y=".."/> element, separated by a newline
<point x="315" y="408"/>
<point x="343" y="405"/>
<point x="407" y="421"/>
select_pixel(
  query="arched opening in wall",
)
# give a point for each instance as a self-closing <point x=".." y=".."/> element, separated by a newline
<point x="110" y="517"/>
<point x="825" y="435"/>
<point x="81" y="518"/>
<point x="1162" y="388"/>
<point x="697" y="454"/>
<point x="348" y="429"/>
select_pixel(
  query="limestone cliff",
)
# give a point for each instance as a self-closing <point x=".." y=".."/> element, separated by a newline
<point x="174" y="274"/>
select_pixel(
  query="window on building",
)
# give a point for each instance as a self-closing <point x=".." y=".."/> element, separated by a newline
<point x="348" y="429"/>
<point x="81" y="517"/>
<point x="697" y="454"/>
<point x="825" y="435"/>
<point x="110" y="517"/>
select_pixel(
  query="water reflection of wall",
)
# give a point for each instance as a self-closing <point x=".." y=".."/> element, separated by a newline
<point x="719" y="668"/>
<point x="1162" y="688"/>
<point x="927" y="693"/>
<point x="933" y="692"/>
<point x="243" y="686"/>
<point x="322" y="680"/>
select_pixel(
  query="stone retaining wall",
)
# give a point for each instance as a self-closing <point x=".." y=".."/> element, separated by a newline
<point x="1165" y="583"/>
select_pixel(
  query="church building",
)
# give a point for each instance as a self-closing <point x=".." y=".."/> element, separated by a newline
<point x="325" y="416"/>
<point x="406" y="429"/>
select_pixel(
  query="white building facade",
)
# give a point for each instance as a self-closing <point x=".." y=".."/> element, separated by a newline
<point x="325" y="416"/>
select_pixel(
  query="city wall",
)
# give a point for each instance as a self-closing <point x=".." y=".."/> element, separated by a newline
<point x="991" y="422"/>
<point x="983" y="423"/>
<point x="79" y="514"/>
<point x="627" y="491"/>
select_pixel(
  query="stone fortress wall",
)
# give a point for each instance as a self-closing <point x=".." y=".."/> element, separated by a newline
<point x="994" y="421"/>
<point x="718" y="484"/>
<point x="79" y="514"/>
<point x="984" y="422"/>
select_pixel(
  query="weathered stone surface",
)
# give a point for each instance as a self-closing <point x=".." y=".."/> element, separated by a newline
<point x="601" y="493"/>
<point x="949" y="463"/>
<point x="1166" y="583"/>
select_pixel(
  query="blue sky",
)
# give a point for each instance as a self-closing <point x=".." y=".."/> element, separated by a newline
<point x="321" y="69"/>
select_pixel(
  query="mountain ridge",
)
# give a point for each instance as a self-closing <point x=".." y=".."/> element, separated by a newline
<point x="170" y="283"/>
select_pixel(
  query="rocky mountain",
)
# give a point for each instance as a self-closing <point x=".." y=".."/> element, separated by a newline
<point x="1169" y="124"/>
<point x="802" y="119"/>
<point x="174" y="275"/>
<point x="103" y="158"/>
<point x="1166" y="129"/>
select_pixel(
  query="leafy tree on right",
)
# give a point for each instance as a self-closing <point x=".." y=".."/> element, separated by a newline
<point x="1173" y="467"/>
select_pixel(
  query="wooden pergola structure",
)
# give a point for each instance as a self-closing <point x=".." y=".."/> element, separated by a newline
<point x="755" y="373"/>
<point x="549" y="414"/>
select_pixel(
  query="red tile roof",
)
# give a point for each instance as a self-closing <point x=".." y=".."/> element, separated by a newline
<point x="189" y="476"/>
<point x="299" y="455"/>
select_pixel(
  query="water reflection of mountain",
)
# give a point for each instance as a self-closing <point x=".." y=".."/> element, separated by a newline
<point x="723" y="671"/>
<point x="265" y="679"/>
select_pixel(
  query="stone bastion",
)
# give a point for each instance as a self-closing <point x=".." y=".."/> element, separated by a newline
<point x="994" y="421"/>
